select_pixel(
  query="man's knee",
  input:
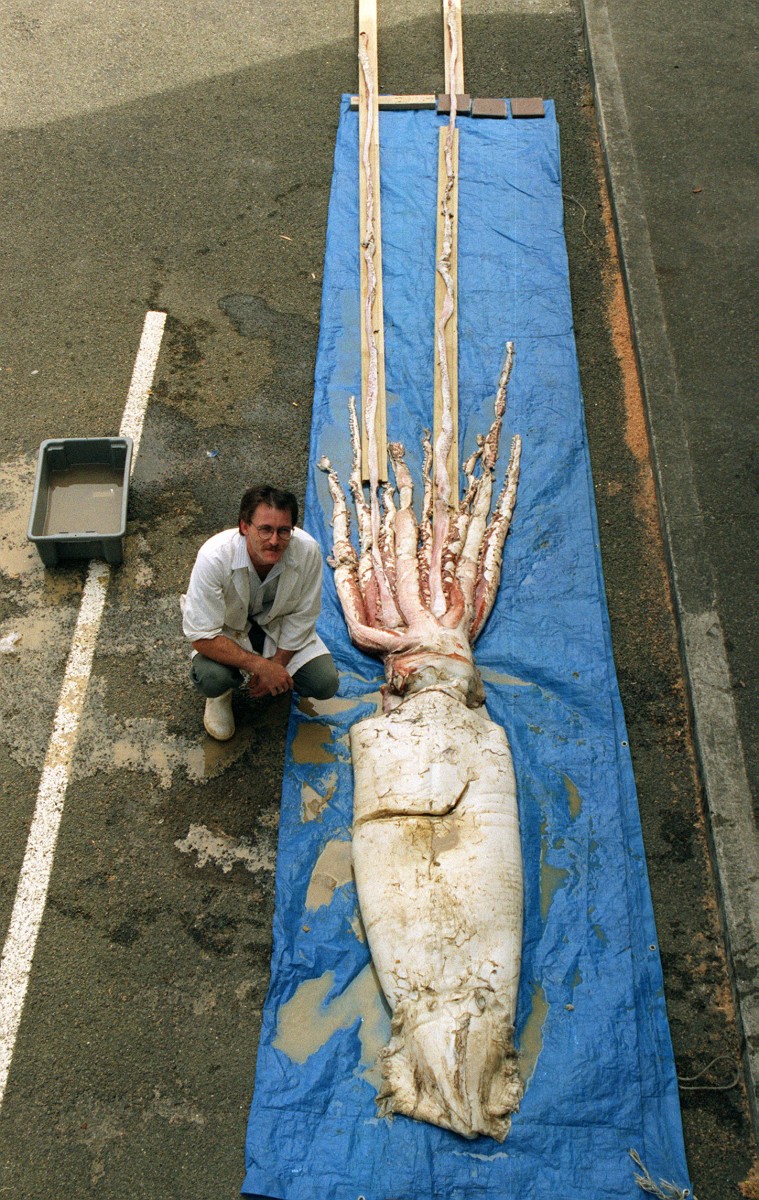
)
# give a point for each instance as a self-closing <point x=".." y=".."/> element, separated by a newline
<point x="213" y="678"/>
<point x="318" y="679"/>
<point x="325" y="689"/>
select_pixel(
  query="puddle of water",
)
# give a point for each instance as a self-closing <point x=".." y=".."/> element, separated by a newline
<point x="204" y="1003"/>
<point x="176" y="1112"/>
<point x="39" y="630"/>
<point x="305" y="1024"/>
<point x="551" y="878"/>
<point x="217" y="756"/>
<point x="60" y="585"/>
<point x="145" y="745"/>
<point x="139" y="744"/>
<point x="139" y="573"/>
<point x="313" y="803"/>
<point x="491" y="676"/>
<point x="153" y="757"/>
<point x="224" y="851"/>
<point x="84" y="499"/>
<point x="531" y="1037"/>
<point x="600" y="934"/>
<point x="574" y="798"/>
<point x="333" y="869"/>
<point x="162" y="762"/>
<point x="326" y="708"/>
<point x="310" y="743"/>
<point x="338" y="704"/>
<point x="597" y="928"/>
<point x="18" y="556"/>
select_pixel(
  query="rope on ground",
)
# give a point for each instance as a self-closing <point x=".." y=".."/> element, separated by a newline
<point x="584" y="211"/>
<point x="664" y="1190"/>
<point x="687" y="1083"/>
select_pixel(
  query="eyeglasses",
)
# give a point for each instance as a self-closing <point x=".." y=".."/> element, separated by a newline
<point x="268" y="531"/>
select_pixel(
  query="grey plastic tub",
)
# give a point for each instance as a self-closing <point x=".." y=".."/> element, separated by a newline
<point x="80" y="500"/>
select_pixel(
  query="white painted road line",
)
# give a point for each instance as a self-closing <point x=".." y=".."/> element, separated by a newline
<point x="34" y="880"/>
<point x="142" y="377"/>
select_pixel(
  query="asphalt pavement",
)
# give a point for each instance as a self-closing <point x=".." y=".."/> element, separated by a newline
<point x="178" y="157"/>
<point x="674" y="92"/>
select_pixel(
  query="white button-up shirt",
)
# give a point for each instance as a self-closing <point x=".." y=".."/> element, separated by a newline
<point x="225" y="594"/>
<point x="263" y="592"/>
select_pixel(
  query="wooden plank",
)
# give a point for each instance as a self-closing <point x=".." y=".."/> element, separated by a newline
<point x="454" y="82"/>
<point x="400" y="103"/>
<point x="459" y="71"/>
<point x="451" y="328"/>
<point x="368" y="116"/>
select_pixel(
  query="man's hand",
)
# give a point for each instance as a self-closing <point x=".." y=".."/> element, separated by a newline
<point x="270" y="679"/>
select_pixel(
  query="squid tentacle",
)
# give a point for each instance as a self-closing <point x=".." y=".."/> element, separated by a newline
<point x="466" y="569"/>
<point x="460" y="523"/>
<point x="387" y="535"/>
<point x="411" y="578"/>
<point x="344" y="562"/>
<point x="366" y="579"/>
<point x="492" y="441"/>
<point x="357" y="492"/>
<point x="491" y="556"/>
<point x="487" y="455"/>
<point x="425" y="523"/>
<point x="344" y="559"/>
<point x="406" y="540"/>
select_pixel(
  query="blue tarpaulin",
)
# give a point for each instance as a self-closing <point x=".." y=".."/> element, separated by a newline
<point x="591" y="1023"/>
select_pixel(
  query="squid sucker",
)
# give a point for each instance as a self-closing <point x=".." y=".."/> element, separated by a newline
<point x="436" y="846"/>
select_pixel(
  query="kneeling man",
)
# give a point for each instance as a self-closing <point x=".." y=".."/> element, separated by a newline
<point x="251" y="608"/>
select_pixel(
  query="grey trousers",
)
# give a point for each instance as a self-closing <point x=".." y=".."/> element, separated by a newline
<point x="318" y="678"/>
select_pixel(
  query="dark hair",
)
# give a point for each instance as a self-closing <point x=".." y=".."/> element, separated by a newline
<point x="264" y="494"/>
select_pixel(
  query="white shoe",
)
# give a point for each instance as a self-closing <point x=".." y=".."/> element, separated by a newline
<point x="218" y="719"/>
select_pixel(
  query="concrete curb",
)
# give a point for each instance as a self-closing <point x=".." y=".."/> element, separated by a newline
<point x="719" y="750"/>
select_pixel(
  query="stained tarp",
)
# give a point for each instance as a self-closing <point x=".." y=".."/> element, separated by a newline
<point x="591" y="1026"/>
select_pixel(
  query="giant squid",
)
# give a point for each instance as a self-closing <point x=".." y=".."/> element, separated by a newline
<point x="436" y="847"/>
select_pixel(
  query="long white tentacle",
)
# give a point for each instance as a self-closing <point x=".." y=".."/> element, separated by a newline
<point x="406" y="541"/>
<point x="344" y="562"/>
<point x="491" y="556"/>
<point x="363" y="515"/>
